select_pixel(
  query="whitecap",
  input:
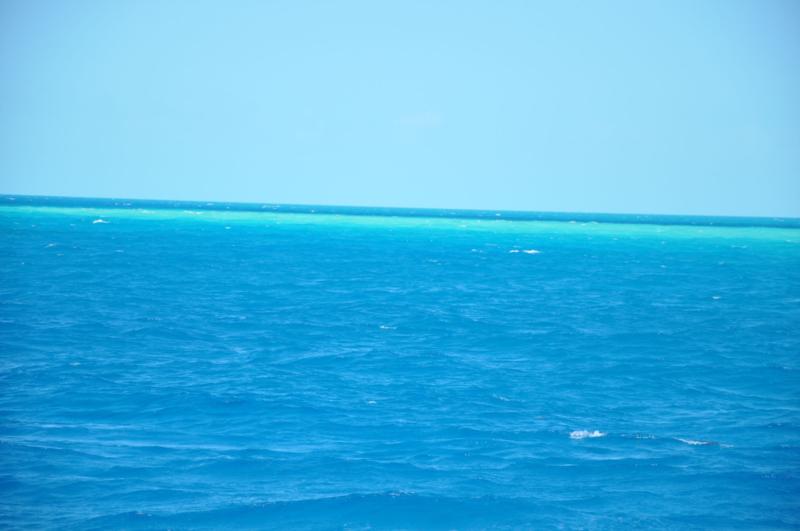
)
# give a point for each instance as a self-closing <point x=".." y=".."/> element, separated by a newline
<point x="531" y="251"/>
<point x="586" y="434"/>
<point x="99" y="220"/>
<point x="693" y="442"/>
<point x="387" y="327"/>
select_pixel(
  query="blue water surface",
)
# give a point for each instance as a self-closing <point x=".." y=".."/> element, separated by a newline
<point x="186" y="365"/>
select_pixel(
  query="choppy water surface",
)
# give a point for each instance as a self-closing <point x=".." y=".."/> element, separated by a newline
<point x="190" y="368"/>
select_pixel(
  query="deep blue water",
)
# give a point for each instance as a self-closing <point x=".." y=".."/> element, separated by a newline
<point x="187" y="365"/>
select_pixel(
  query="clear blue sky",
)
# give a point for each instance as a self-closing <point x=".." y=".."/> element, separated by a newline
<point x="642" y="106"/>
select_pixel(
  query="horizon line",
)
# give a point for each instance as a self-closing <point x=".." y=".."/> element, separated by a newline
<point x="437" y="212"/>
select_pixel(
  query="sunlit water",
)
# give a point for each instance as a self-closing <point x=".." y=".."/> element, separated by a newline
<point x="206" y="367"/>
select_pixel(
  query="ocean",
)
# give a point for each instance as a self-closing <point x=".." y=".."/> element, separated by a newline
<point x="196" y="365"/>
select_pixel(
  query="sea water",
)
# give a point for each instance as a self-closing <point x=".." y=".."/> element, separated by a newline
<point x="192" y="365"/>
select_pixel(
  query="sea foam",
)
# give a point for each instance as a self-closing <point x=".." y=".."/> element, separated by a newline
<point x="586" y="434"/>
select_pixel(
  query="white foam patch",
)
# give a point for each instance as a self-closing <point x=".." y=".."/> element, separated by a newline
<point x="526" y="251"/>
<point x="586" y="434"/>
<point x="693" y="442"/>
<point x="98" y="220"/>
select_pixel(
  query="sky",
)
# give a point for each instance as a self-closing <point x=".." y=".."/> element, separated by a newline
<point x="681" y="107"/>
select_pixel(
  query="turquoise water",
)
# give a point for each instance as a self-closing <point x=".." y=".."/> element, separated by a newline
<point x="192" y="365"/>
